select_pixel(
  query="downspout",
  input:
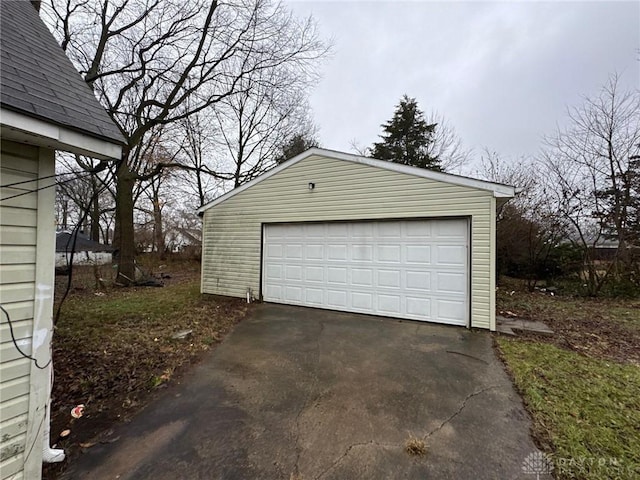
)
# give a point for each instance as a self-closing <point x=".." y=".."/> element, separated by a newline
<point x="49" y="455"/>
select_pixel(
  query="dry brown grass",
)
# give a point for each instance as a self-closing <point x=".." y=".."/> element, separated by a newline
<point x="415" y="446"/>
<point x="597" y="327"/>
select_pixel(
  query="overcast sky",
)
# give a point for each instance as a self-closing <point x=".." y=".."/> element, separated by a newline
<point x="502" y="73"/>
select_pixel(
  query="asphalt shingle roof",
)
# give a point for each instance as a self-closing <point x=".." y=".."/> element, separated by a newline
<point x="37" y="78"/>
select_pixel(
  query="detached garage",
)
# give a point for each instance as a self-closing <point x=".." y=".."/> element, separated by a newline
<point x="343" y="232"/>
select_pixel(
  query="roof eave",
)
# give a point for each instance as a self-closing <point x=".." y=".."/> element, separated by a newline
<point x="30" y="130"/>
<point x="497" y="189"/>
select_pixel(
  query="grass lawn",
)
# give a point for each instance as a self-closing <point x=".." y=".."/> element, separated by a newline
<point x="113" y="348"/>
<point x="581" y="386"/>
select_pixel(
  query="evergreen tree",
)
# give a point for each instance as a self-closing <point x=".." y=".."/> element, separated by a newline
<point x="407" y="137"/>
<point x="298" y="143"/>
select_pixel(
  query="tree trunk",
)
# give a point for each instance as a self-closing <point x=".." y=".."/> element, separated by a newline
<point x="124" y="241"/>
<point x="95" y="212"/>
<point x="158" y="234"/>
<point x="65" y="214"/>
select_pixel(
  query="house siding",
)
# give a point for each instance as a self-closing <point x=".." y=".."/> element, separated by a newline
<point x="24" y="222"/>
<point x="232" y="230"/>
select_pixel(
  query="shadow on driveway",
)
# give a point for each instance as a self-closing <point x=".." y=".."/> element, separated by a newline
<point x="297" y="393"/>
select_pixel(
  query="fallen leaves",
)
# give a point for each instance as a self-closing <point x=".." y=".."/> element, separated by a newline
<point x="111" y="350"/>
<point x="600" y="328"/>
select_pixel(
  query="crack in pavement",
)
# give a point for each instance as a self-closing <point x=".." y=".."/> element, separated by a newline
<point x="462" y="407"/>
<point x="298" y="449"/>
<point x="348" y="450"/>
<point x="308" y="401"/>
<point x="468" y="356"/>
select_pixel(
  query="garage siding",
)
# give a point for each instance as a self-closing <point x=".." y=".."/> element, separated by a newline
<point x="232" y="231"/>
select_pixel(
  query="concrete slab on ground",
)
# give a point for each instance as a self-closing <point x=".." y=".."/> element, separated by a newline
<point x="507" y="325"/>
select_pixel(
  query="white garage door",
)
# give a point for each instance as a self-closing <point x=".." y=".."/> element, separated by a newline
<point x="415" y="269"/>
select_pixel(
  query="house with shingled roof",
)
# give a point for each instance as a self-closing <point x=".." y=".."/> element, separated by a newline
<point x="45" y="106"/>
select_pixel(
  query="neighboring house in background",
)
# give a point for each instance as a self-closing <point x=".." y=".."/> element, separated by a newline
<point x="604" y="250"/>
<point x="86" y="251"/>
<point x="187" y="240"/>
<point x="343" y="232"/>
<point x="45" y="106"/>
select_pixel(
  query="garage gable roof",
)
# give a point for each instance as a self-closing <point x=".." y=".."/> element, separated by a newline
<point x="499" y="190"/>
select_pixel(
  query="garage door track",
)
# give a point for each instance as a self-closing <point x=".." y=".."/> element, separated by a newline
<point x="296" y="393"/>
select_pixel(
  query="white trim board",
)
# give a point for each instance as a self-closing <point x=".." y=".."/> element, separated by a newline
<point x="40" y="378"/>
<point x="498" y="190"/>
<point x="25" y="129"/>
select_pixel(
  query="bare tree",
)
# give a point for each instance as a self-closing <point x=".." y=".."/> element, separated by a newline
<point x="591" y="175"/>
<point x="446" y="144"/>
<point x="269" y="110"/>
<point x="201" y="159"/>
<point x="156" y="62"/>
<point x="83" y="194"/>
<point x="528" y="228"/>
<point x="156" y="198"/>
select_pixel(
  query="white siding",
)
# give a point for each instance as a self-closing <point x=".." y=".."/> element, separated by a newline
<point x="23" y="222"/>
<point x="232" y="230"/>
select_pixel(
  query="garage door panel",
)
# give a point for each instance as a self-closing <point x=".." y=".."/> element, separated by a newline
<point x="362" y="230"/>
<point x="337" y="299"/>
<point x="362" y="253"/>
<point x="274" y="251"/>
<point x="274" y="292"/>
<point x="449" y="310"/>
<point x="362" y="301"/>
<point x="314" y="296"/>
<point x="418" y="254"/>
<point x="276" y="233"/>
<point x="389" y="229"/>
<point x="314" y="274"/>
<point x="293" y="273"/>
<point x="314" y="252"/>
<point x="454" y="283"/>
<point x="454" y="255"/>
<point x="274" y="272"/>
<point x="337" y="275"/>
<point x="315" y="231"/>
<point x="337" y="252"/>
<point x="293" y="294"/>
<point x="418" y="280"/>
<point x="338" y="230"/>
<point x="419" y="307"/>
<point x="293" y="251"/>
<point x="389" y="278"/>
<point x="418" y="229"/>
<point x="362" y="277"/>
<point x="389" y="253"/>
<point x="407" y="269"/>
<point x="390" y="304"/>
<point x="451" y="230"/>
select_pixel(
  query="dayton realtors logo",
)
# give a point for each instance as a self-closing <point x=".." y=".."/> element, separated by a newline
<point x="537" y="463"/>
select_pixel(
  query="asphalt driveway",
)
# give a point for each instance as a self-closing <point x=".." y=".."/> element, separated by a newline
<point x="296" y="393"/>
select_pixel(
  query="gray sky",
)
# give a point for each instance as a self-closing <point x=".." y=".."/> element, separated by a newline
<point x="502" y="73"/>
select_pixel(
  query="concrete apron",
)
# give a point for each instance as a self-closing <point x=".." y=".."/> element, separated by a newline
<point x="297" y="393"/>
